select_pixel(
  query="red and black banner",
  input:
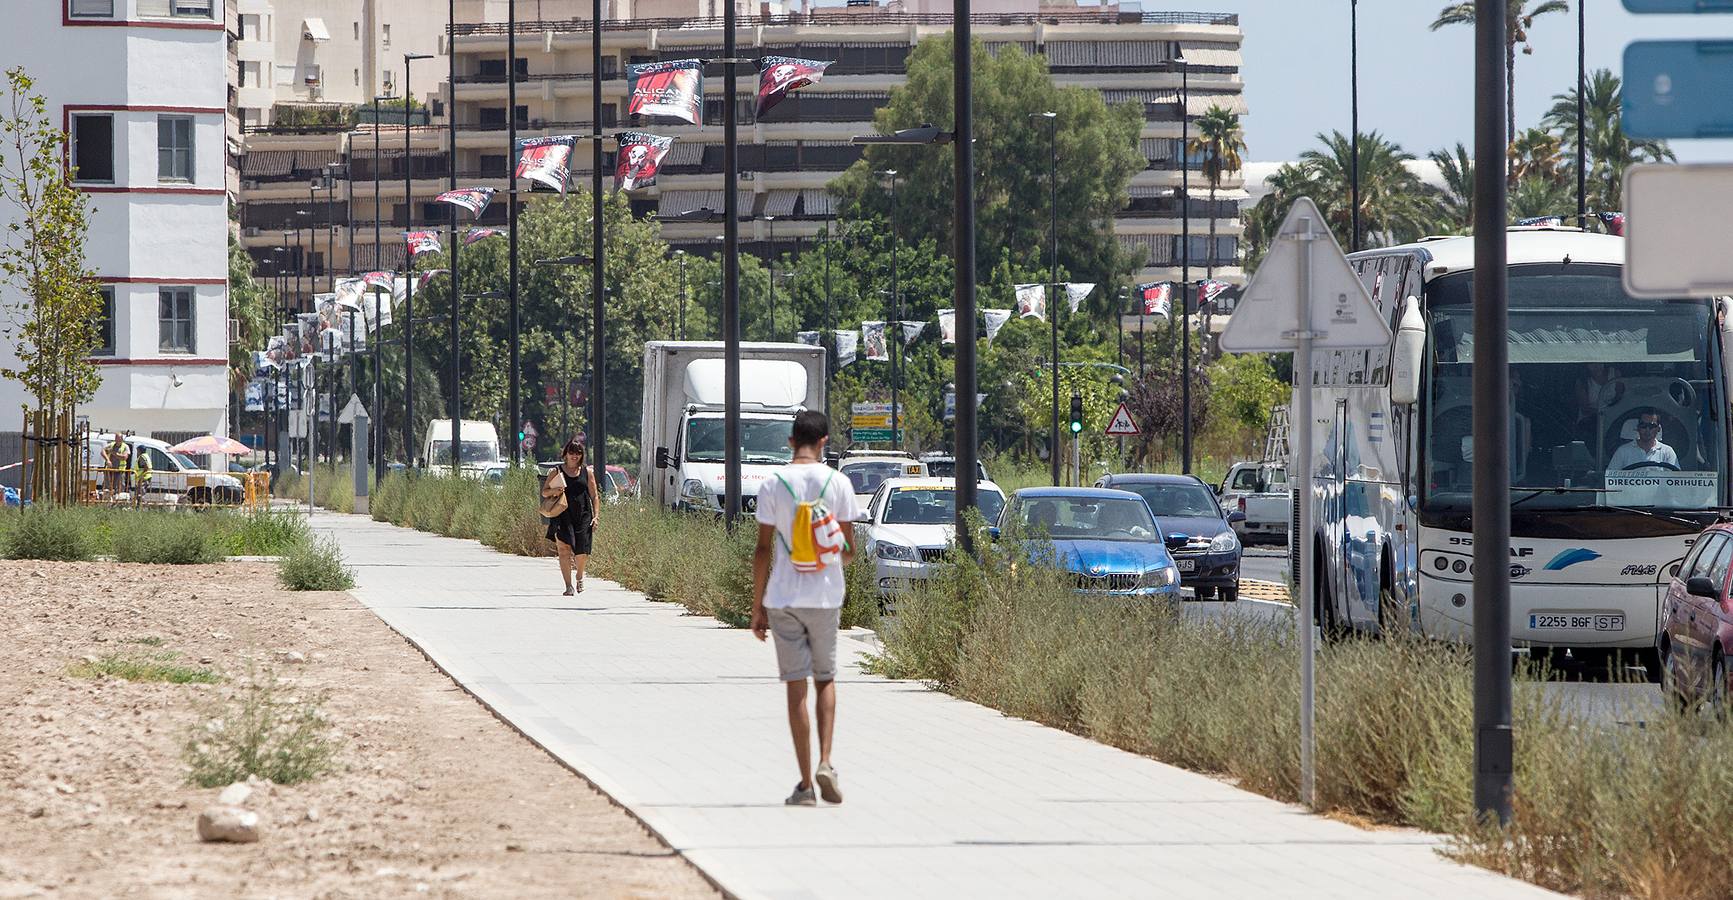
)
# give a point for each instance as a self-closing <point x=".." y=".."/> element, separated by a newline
<point x="473" y="199"/>
<point x="673" y="88"/>
<point x="779" y="76"/>
<point x="640" y="159"/>
<point x="545" y="160"/>
<point x="1156" y="298"/>
<point x="479" y="234"/>
<point x="422" y="242"/>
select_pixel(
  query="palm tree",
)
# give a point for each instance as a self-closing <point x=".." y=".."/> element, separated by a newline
<point x="1395" y="205"/>
<point x="1456" y="206"/>
<point x="1535" y="196"/>
<point x="1609" y="150"/>
<point x="1219" y="141"/>
<point x="1287" y="184"/>
<point x="1536" y="154"/>
<point x="1519" y="19"/>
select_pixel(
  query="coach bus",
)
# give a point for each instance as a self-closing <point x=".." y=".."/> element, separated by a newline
<point x="1619" y="446"/>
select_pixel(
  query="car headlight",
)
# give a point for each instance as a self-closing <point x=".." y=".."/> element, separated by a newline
<point x="888" y="550"/>
<point x="1224" y="542"/>
<point x="1166" y="576"/>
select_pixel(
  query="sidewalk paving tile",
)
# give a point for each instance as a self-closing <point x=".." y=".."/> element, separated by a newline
<point x="681" y="721"/>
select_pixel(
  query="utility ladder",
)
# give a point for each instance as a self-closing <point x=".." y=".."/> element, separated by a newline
<point x="1276" y="438"/>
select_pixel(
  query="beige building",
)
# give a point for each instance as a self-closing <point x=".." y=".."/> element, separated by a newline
<point x="318" y="52"/>
<point x="786" y="160"/>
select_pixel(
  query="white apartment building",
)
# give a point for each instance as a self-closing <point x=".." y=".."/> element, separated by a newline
<point x="139" y="86"/>
<point x="315" y="54"/>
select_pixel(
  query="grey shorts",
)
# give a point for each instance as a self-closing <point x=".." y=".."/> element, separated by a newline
<point x="805" y="642"/>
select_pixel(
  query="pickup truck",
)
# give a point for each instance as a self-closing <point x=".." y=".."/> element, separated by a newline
<point x="1260" y="491"/>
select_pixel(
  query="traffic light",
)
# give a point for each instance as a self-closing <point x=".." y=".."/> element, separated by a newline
<point x="1076" y="412"/>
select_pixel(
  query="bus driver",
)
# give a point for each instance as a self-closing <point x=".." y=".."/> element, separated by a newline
<point x="1645" y="448"/>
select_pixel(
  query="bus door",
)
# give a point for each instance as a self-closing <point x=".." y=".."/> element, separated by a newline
<point x="1341" y="437"/>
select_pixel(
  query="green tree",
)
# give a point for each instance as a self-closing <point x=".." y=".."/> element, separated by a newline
<point x="1519" y="18"/>
<point x="1244" y="389"/>
<point x="1609" y="149"/>
<point x="1395" y="205"/>
<point x="1220" y="142"/>
<point x="1456" y="205"/>
<point x="1097" y="152"/>
<point x="251" y="305"/>
<point x="1536" y="196"/>
<point x="55" y="315"/>
<point x="1535" y="154"/>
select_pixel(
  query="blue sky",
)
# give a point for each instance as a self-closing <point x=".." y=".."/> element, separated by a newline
<point x="1416" y="86"/>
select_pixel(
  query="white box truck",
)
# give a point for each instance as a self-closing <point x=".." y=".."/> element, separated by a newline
<point x="683" y="453"/>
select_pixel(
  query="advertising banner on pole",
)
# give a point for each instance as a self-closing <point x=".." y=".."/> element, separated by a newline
<point x="673" y="88"/>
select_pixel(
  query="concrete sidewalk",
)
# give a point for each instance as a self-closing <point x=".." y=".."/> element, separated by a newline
<point x="681" y="721"/>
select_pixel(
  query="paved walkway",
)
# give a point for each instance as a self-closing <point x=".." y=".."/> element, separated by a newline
<point x="681" y="721"/>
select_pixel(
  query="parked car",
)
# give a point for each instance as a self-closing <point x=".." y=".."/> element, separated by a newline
<point x="173" y="475"/>
<point x="909" y="524"/>
<point x="1106" y="538"/>
<point x="940" y="465"/>
<point x="1198" y="534"/>
<point x="1697" y="624"/>
<point x="868" y="469"/>
<point x="1259" y="491"/>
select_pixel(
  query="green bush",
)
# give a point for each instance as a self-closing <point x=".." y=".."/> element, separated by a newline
<point x="158" y="666"/>
<point x="171" y="538"/>
<point x="386" y="504"/>
<point x="264" y="532"/>
<point x="315" y="565"/>
<point x="511" y="523"/>
<point x="264" y="730"/>
<point x="61" y="534"/>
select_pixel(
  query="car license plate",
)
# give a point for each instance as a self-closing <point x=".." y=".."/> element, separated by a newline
<point x="1578" y="621"/>
<point x="1186" y="565"/>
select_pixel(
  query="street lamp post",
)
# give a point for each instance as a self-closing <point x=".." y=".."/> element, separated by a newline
<point x="1582" y="148"/>
<point x="599" y="336"/>
<point x="1185" y="259"/>
<point x="681" y="255"/>
<point x="730" y="272"/>
<point x="894" y="328"/>
<point x="963" y="212"/>
<point x="409" y="271"/>
<point x="378" y="433"/>
<point x="771" y="256"/>
<point x="455" y="401"/>
<point x="512" y="325"/>
<point x="828" y="339"/>
<point x="1053" y="278"/>
<point x="1353" y="125"/>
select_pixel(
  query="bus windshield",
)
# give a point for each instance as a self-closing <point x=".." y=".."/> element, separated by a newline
<point x="1615" y="401"/>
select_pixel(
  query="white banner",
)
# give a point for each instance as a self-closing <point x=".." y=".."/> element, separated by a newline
<point x="995" y="319"/>
<point x="1031" y="301"/>
<point x="1075" y="292"/>
<point x="912" y="331"/>
<point x="872" y="337"/>
<point x="948" y="326"/>
<point x="846" y="344"/>
<point x="810" y="338"/>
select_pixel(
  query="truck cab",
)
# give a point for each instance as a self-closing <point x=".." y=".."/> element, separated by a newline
<point x="478" y="447"/>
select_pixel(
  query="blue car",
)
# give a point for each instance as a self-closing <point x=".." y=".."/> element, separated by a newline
<point x="1107" y="538"/>
<point x="1199" y="536"/>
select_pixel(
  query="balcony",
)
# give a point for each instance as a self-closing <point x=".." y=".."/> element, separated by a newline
<point x="846" y="16"/>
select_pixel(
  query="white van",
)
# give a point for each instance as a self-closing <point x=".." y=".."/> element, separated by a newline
<point x="173" y="476"/>
<point x="478" y="449"/>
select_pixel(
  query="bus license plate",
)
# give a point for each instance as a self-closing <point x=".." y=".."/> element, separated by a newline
<point x="1186" y="565"/>
<point x="1578" y="621"/>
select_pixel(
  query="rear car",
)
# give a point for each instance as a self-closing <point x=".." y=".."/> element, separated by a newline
<point x="867" y="470"/>
<point x="940" y="465"/>
<point x="1105" y="538"/>
<point x="1194" y="528"/>
<point x="910" y="523"/>
<point x="1697" y="624"/>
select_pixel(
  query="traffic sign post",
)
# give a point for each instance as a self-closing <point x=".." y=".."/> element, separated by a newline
<point x="1277" y="313"/>
<point x="1122" y="425"/>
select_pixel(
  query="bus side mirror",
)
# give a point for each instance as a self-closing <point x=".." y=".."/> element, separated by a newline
<point x="1408" y="357"/>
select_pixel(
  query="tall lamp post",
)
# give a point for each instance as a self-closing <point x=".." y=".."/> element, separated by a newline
<point x="771" y="256"/>
<point x="514" y="421"/>
<point x="455" y="400"/>
<point x="681" y="330"/>
<point x="1053" y="278"/>
<point x="378" y="435"/>
<point x="599" y="336"/>
<point x="730" y="272"/>
<point x="1185" y="260"/>
<point x="1353" y="126"/>
<point x="893" y="328"/>
<point x="1582" y="148"/>
<point x="409" y="270"/>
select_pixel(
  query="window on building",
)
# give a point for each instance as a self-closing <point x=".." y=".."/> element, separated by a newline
<point x="495" y="165"/>
<point x="105" y="323"/>
<point x="175" y="320"/>
<point x="93" y="146"/>
<point x="491" y="115"/>
<point x="174" y="148"/>
<point x="357" y="30"/>
<point x="385" y="41"/>
<point x="285" y="75"/>
<point x="93" y="9"/>
<point x="198" y="9"/>
<point x="357" y="77"/>
<point x="387" y="81"/>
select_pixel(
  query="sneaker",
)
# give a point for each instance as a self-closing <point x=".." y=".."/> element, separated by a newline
<point x="827" y="783"/>
<point x="801" y="797"/>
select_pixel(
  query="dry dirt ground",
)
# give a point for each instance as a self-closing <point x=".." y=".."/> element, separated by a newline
<point x="431" y="796"/>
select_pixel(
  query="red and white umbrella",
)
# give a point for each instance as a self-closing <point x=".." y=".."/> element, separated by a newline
<point x="209" y="444"/>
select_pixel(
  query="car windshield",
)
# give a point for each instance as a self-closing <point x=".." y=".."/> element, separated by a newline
<point x="867" y="476"/>
<point x="935" y="506"/>
<point x="1090" y="518"/>
<point x="186" y="462"/>
<point x="1176" y="499"/>
<point x="1615" y="402"/>
<point x="761" y="440"/>
<point x="472" y="451"/>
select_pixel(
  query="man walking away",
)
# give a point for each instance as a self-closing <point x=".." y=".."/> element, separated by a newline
<point x="806" y="519"/>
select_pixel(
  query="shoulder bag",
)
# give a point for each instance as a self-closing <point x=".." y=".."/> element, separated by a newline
<point x="554" y="495"/>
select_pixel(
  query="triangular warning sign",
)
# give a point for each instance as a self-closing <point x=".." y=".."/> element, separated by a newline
<point x="347" y="416"/>
<point x="1121" y="425"/>
<point x="1268" y="314"/>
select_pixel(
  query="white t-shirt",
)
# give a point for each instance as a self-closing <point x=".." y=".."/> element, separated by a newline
<point x="816" y="590"/>
<point x="1633" y="453"/>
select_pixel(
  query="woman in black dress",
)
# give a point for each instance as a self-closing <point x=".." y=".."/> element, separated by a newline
<point x="572" y="529"/>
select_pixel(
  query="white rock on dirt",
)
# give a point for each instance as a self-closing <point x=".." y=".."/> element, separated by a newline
<point x="294" y="656"/>
<point x="235" y="794"/>
<point x="229" y="824"/>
